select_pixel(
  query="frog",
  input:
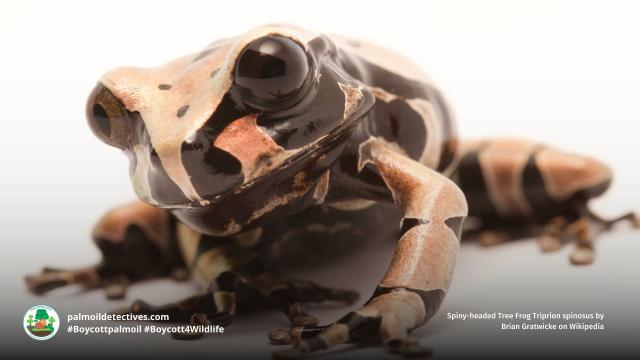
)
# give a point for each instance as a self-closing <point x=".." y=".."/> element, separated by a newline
<point x="283" y="132"/>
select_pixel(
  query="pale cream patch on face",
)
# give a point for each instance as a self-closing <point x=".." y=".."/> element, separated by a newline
<point x="249" y="144"/>
<point x="503" y="163"/>
<point x="352" y="95"/>
<point x="140" y="176"/>
<point x="192" y="85"/>
<point x="564" y="174"/>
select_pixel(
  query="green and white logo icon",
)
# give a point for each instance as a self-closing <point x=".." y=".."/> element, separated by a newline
<point x="41" y="322"/>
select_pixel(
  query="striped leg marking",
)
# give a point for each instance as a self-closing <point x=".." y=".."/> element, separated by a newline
<point x="422" y="266"/>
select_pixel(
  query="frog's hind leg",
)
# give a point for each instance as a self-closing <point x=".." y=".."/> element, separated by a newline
<point x="136" y="243"/>
<point x="512" y="178"/>
<point x="631" y="217"/>
<point x="49" y="278"/>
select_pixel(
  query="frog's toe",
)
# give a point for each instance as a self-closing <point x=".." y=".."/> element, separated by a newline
<point x="116" y="288"/>
<point x="409" y="348"/>
<point x="388" y="317"/>
<point x="291" y="294"/>
<point x="298" y="316"/>
<point x="583" y="255"/>
<point x="50" y="278"/>
<point x="281" y="336"/>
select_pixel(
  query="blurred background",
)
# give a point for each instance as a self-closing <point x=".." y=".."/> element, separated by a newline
<point x="562" y="72"/>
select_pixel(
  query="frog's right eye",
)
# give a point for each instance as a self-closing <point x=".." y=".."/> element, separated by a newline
<point x="108" y="118"/>
<point x="272" y="72"/>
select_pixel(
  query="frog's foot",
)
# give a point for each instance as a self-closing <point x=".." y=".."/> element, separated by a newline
<point x="553" y="236"/>
<point x="582" y="232"/>
<point x="195" y="310"/>
<point x="51" y="278"/>
<point x="388" y="318"/>
<point x="290" y="294"/>
<point x="115" y="284"/>
<point x="217" y="305"/>
<point x="558" y="232"/>
<point x="585" y="230"/>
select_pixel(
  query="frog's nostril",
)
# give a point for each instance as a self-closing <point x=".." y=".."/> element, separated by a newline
<point x="108" y="118"/>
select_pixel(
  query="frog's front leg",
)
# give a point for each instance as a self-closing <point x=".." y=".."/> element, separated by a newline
<point x="421" y="269"/>
<point x="235" y="279"/>
<point x="136" y="243"/>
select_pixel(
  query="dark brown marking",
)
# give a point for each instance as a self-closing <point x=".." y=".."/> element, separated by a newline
<point x="410" y="223"/>
<point x="164" y="86"/>
<point x="472" y="183"/>
<point x="208" y="242"/>
<point x="359" y="326"/>
<point x="455" y="224"/>
<point x="533" y="186"/>
<point x="182" y="111"/>
<point x="432" y="299"/>
<point x="398" y="122"/>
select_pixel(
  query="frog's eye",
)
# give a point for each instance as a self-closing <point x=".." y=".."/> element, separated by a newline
<point x="107" y="118"/>
<point x="271" y="72"/>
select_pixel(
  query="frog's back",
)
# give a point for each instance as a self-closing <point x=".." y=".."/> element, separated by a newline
<point x="409" y="113"/>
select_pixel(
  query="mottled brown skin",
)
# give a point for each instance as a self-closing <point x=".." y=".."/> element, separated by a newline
<point x="258" y="142"/>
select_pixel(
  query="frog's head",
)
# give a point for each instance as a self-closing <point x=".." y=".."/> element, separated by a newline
<point x="215" y="122"/>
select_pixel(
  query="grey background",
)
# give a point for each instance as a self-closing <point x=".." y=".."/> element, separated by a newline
<point x="561" y="72"/>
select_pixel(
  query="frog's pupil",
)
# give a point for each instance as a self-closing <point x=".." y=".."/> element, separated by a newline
<point x="273" y="68"/>
<point x="101" y="119"/>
